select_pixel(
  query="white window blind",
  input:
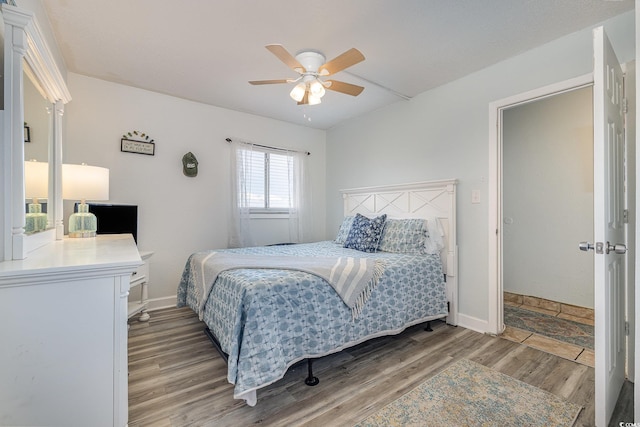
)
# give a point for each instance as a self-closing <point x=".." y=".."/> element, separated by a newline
<point x="269" y="180"/>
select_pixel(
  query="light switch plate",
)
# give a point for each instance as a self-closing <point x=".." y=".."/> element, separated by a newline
<point x="475" y="196"/>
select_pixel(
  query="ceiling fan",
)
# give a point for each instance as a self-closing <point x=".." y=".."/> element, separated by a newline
<point x="311" y="66"/>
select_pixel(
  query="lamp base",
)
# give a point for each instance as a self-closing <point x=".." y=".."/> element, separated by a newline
<point x="35" y="220"/>
<point x="83" y="223"/>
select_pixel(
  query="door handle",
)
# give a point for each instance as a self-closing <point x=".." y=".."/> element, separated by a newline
<point x="585" y="246"/>
<point x="600" y="248"/>
<point x="617" y="248"/>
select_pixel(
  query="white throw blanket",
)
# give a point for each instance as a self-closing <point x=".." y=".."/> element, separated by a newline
<point x="352" y="278"/>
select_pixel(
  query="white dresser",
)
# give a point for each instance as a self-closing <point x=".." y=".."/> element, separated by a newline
<point x="63" y="333"/>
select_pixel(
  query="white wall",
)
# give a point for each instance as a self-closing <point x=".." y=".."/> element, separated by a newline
<point x="548" y="198"/>
<point x="443" y="133"/>
<point x="177" y="215"/>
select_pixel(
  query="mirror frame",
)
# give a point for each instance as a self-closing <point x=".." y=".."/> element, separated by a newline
<point x="26" y="51"/>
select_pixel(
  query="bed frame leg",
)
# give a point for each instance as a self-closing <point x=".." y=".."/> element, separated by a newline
<point x="428" y="328"/>
<point x="311" y="380"/>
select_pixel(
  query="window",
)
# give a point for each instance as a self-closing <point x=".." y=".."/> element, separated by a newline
<point x="268" y="180"/>
<point x="268" y="183"/>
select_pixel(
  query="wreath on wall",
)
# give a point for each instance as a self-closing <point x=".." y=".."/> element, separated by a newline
<point x="135" y="133"/>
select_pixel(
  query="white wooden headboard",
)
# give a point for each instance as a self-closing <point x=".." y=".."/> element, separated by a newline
<point x="428" y="200"/>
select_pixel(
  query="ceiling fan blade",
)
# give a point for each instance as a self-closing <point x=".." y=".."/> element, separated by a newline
<point x="268" y="82"/>
<point x="342" y="87"/>
<point x="284" y="56"/>
<point x="339" y="63"/>
<point x="305" y="99"/>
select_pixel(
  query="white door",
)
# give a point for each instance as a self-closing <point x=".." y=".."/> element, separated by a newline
<point x="609" y="265"/>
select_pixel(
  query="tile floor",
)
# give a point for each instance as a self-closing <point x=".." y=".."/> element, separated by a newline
<point x="579" y="354"/>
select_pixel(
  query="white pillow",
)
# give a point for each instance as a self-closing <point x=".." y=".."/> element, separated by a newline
<point x="435" y="243"/>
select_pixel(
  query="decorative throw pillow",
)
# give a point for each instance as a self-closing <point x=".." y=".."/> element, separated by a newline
<point x="343" y="232"/>
<point x="365" y="233"/>
<point x="407" y="236"/>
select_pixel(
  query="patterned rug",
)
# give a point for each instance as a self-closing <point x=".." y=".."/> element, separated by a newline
<point x="549" y="326"/>
<point x="469" y="394"/>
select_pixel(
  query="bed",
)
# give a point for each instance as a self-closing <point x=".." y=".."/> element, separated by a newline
<point x="265" y="315"/>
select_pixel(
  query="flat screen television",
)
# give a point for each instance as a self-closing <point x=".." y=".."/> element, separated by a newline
<point x="115" y="219"/>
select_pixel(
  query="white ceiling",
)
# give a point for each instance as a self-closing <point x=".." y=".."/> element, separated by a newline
<point x="208" y="50"/>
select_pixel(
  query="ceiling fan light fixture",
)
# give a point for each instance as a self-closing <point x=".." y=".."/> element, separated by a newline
<point x="297" y="93"/>
<point x="313" y="99"/>
<point x="311" y="66"/>
<point x="316" y="88"/>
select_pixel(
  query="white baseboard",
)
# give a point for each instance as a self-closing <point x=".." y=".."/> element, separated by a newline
<point x="160" y="303"/>
<point x="473" y="323"/>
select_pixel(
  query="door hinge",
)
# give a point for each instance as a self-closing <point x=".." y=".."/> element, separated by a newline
<point x="626" y="328"/>
<point x="625" y="216"/>
<point x="625" y="105"/>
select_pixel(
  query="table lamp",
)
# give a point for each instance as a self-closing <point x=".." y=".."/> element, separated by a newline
<point x="36" y="186"/>
<point x="84" y="182"/>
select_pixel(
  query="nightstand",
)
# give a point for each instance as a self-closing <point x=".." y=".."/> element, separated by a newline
<point x="139" y="293"/>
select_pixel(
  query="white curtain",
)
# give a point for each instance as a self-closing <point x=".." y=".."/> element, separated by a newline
<point x="299" y="213"/>
<point x="240" y="234"/>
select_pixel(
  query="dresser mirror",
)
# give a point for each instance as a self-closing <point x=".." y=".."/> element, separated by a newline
<point x="28" y="60"/>
<point x="37" y="115"/>
<point x="37" y="126"/>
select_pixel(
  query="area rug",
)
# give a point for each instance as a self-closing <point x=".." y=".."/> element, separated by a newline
<point x="469" y="394"/>
<point x="549" y="326"/>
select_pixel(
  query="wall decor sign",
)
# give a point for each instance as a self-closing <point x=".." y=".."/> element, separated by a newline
<point x="137" y="142"/>
<point x="138" y="147"/>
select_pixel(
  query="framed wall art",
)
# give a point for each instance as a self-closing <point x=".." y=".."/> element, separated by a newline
<point x="138" y="143"/>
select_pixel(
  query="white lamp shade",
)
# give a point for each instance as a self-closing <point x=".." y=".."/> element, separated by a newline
<point x="297" y="93"/>
<point x="83" y="182"/>
<point x="36" y="179"/>
<point x="316" y="89"/>
<point x="314" y="100"/>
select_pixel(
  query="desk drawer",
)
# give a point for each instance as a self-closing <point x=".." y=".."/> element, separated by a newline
<point x="140" y="275"/>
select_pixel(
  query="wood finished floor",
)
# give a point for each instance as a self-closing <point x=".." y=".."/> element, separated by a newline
<point x="176" y="378"/>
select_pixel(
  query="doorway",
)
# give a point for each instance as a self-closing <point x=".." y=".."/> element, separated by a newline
<point x="547" y="203"/>
<point x="496" y="188"/>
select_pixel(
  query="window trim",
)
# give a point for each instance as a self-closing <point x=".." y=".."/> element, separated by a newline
<point x="269" y="215"/>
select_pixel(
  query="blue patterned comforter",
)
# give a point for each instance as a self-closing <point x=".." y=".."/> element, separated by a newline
<point x="266" y="320"/>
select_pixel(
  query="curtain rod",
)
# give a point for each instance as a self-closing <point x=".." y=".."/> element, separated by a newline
<point x="271" y="148"/>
